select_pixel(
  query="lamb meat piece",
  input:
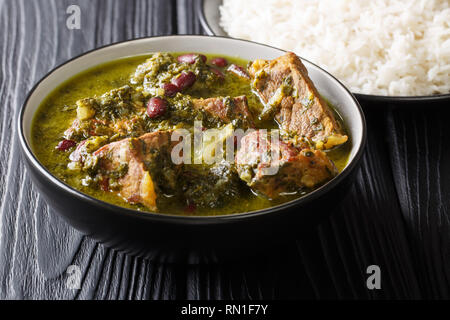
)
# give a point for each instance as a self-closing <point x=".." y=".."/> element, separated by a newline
<point x="117" y="111"/>
<point x="289" y="96"/>
<point x="127" y="166"/>
<point x="292" y="170"/>
<point x="83" y="152"/>
<point x="227" y="110"/>
<point x="82" y="129"/>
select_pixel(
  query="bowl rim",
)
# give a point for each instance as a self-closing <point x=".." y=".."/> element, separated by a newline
<point x="199" y="7"/>
<point x="442" y="97"/>
<point x="165" y="217"/>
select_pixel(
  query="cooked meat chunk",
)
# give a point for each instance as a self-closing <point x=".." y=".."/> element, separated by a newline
<point x="115" y="112"/>
<point x="289" y="95"/>
<point x="82" y="157"/>
<point x="81" y="129"/>
<point x="228" y="110"/>
<point x="114" y="104"/>
<point x="129" y="167"/>
<point x="276" y="168"/>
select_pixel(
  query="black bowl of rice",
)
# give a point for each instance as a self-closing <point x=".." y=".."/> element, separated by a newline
<point x="392" y="53"/>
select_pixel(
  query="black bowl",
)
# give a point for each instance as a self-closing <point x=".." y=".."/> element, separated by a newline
<point x="402" y="102"/>
<point x="169" y="237"/>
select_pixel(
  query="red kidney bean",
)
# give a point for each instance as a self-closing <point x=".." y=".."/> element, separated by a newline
<point x="104" y="183"/>
<point x="239" y="71"/>
<point x="219" y="62"/>
<point x="65" y="145"/>
<point x="184" y="80"/>
<point x="170" y="89"/>
<point x="190" y="58"/>
<point x="217" y="73"/>
<point x="156" y="107"/>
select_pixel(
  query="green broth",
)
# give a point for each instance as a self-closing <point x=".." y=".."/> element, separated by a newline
<point x="51" y="121"/>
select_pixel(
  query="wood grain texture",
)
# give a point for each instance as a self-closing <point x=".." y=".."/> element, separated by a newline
<point x="395" y="216"/>
<point x="420" y="162"/>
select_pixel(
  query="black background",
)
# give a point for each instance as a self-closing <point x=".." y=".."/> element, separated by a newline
<point x="395" y="216"/>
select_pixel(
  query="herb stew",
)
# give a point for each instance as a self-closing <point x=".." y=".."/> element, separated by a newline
<point x="109" y="132"/>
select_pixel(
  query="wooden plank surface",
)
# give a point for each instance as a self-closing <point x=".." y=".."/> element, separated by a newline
<point x="395" y="216"/>
<point x="420" y="157"/>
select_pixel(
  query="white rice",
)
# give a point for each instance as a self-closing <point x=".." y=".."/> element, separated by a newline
<point x="382" y="47"/>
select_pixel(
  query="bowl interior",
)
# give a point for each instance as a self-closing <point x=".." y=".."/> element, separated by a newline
<point x="327" y="85"/>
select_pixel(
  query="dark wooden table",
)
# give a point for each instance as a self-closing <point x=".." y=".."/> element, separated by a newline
<point x="396" y="215"/>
